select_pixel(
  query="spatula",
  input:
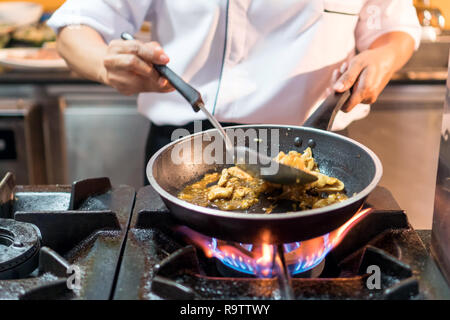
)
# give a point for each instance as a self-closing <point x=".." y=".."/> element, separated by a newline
<point x="262" y="166"/>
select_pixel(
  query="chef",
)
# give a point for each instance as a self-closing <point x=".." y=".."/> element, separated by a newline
<point x="254" y="61"/>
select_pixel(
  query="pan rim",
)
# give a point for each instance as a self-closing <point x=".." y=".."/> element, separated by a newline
<point x="258" y="216"/>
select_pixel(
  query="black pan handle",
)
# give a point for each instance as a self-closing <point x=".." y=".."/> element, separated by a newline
<point x="188" y="92"/>
<point x="324" y="115"/>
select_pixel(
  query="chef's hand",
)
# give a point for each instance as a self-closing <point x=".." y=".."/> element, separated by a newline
<point x="369" y="72"/>
<point x="128" y="67"/>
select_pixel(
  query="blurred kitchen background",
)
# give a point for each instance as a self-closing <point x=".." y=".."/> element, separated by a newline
<point x="56" y="128"/>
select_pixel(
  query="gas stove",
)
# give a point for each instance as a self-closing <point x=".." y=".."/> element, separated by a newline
<point x="162" y="260"/>
<point x="62" y="242"/>
<point x="93" y="240"/>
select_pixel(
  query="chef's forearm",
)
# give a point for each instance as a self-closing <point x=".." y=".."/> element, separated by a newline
<point x="399" y="45"/>
<point x="84" y="51"/>
<point x="124" y="65"/>
<point x="370" y="71"/>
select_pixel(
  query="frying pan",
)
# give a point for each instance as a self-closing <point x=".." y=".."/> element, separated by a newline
<point x="338" y="156"/>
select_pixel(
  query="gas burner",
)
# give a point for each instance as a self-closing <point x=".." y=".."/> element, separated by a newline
<point x="233" y="270"/>
<point x="19" y="245"/>
<point x="256" y="261"/>
<point x="45" y="231"/>
<point x="303" y="259"/>
<point x="159" y="263"/>
<point x="51" y="235"/>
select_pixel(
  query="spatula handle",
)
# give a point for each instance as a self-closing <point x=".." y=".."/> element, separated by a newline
<point x="188" y="92"/>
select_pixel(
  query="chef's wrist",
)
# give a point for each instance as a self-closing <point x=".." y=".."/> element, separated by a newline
<point x="385" y="56"/>
<point x="101" y="75"/>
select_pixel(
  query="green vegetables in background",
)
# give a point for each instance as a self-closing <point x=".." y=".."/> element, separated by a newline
<point x="4" y="39"/>
<point x="34" y="35"/>
<point x="5" y="34"/>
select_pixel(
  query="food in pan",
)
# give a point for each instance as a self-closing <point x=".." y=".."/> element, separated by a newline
<point x="235" y="189"/>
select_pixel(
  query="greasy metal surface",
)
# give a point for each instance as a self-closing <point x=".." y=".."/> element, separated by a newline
<point x="90" y="239"/>
<point x="143" y="251"/>
<point x="338" y="156"/>
<point x="14" y="289"/>
<point x="353" y="287"/>
<point x="190" y="282"/>
<point x="88" y="188"/>
<point x="62" y="231"/>
<point x="193" y="283"/>
<point x="49" y="275"/>
<point x="157" y="265"/>
<point x="283" y="276"/>
<point x="40" y="201"/>
<point x="19" y="243"/>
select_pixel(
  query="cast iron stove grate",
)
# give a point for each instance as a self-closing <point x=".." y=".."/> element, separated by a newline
<point x="158" y="264"/>
<point x="62" y="242"/>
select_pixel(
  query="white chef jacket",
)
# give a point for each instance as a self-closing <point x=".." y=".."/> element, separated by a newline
<point x="253" y="61"/>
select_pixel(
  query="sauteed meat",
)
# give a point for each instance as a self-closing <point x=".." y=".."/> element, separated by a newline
<point x="235" y="189"/>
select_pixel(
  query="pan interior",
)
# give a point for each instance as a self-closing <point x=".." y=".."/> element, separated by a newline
<point x="336" y="156"/>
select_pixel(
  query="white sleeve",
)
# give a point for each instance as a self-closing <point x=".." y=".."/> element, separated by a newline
<point x="109" y="17"/>
<point x="378" y="17"/>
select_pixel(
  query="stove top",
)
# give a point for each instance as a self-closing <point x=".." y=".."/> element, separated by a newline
<point x="62" y="242"/>
<point x="158" y="263"/>
<point x="93" y="240"/>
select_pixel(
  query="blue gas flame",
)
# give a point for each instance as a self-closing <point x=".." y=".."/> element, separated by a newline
<point x="249" y="266"/>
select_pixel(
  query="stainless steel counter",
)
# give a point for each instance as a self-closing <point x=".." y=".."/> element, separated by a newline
<point x="403" y="129"/>
<point x="33" y="86"/>
<point x="105" y="135"/>
<point x="89" y="130"/>
<point x="429" y="62"/>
